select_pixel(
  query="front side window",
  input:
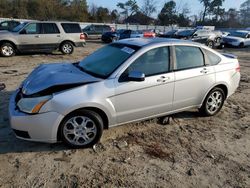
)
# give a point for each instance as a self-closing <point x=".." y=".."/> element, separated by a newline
<point x="153" y="62"/>
<point x="107" y="59"/>
<point x="188" y="57"/>
<point x="33" y="28"/>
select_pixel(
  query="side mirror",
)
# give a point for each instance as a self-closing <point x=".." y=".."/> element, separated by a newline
<point x="23" y="32"/>
<point x="136" y="76"/>
<point x="195" y="35"/>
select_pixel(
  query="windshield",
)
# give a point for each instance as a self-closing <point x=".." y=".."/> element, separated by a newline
<point x="107" y="59"/>
<point x="19" y="27"/>
<point x="186" y="33"/>
<point x="239" y="34"/>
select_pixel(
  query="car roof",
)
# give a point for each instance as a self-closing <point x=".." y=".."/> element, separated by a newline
<point x="141" y="42"/>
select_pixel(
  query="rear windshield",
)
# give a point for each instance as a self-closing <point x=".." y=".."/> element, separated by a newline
<point x="71" y="28"/>
<point x="107" y="59"/>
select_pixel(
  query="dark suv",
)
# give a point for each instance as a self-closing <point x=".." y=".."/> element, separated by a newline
<point x="94" y="31"/>
<point x="37" y="36"/>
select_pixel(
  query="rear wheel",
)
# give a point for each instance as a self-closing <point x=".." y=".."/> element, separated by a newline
<point x="213" y="102"/>
<point x="210" y="44"/>
<point x="67" y="48"/>
<point x="82" y="129"/>
<point x="7" y="49"/>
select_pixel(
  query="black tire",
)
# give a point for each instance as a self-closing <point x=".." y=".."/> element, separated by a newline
<point x="97" y="124"/>
<point x="241" y="45"/>
<point x="206" y="106"/>
<point x="210" y="44"/>
<point x="67" y="48"/>
<point x="7" y="49"/>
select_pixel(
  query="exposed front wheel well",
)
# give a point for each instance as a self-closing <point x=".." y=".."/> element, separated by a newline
<point x="94" y="109"/>
<point x="224" y="88"/>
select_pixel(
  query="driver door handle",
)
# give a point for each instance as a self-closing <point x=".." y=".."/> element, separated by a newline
<point x="163" y="79"/>
<point x="37" y="36"/>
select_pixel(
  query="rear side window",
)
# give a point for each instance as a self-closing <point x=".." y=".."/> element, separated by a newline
<point x="153" y="62"/>
<point x="50" y="28"/>
<point x="212" y="57"/>
<point x="71" y="28"/>
<point x="188" y="57"/>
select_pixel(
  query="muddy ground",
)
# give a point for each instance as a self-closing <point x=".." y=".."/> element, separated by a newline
<point x="192" y="151"/>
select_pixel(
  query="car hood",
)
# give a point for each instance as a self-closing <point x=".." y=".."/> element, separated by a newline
<point x="232" y="37"/>
<point x="55" y="77"/>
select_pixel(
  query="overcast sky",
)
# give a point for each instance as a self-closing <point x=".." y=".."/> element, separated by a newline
<point x="194" y="5"/>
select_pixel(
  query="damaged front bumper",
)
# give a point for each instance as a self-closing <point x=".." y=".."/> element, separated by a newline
<point x="42" y="127"/>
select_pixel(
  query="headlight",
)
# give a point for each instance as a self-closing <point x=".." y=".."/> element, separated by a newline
<point x="32" y="105"/>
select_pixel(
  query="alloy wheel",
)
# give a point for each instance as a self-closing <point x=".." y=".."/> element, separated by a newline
<point x="80" y="130"/>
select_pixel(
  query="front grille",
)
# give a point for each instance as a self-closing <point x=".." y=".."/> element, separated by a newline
<point x="22" y="134"/>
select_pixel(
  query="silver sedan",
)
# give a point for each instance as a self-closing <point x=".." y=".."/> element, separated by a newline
<point x="126" y="81"/>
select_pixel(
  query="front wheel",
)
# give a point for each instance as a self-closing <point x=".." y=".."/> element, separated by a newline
<point x="82" y="129"/>
<point x="213" y="102"/>
<point x="67" y="48"/>
<point x="7" y="50"/>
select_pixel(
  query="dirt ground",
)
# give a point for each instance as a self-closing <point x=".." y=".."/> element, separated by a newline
<point x="192" y="151"/>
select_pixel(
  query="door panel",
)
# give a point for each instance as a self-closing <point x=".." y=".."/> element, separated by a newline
<point x="191" y="86"/>
<point x="136" y="100"/>
<point x="192" y="78"/>
<point x="153" y="96"/>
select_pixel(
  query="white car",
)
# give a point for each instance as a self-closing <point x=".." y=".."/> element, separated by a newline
<point x="238" y="38"/>
<point x="126" y="81"/>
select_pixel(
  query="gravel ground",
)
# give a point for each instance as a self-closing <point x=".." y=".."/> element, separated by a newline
<point x="191" y="151"/>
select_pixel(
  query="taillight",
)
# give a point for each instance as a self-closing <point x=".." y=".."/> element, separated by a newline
<point x="238" y="68"/>
<point x="82" y="36"/>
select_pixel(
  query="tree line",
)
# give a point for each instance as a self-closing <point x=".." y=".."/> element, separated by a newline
<point x="213" y="12"/>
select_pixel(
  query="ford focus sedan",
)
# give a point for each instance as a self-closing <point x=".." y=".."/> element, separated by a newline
<point x="126" y="81"/>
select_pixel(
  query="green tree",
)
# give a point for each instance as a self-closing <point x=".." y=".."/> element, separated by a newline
<point x="168" y="14"/>
<point x="128" y="8"/>
<point x="245" y="13"/>
<point x="207" y="7"/>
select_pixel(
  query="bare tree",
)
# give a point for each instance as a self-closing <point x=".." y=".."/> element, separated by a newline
<point x="149" y="7"/>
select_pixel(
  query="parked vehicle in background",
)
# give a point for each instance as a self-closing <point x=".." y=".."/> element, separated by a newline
<point x="129" y="80"/>
<point x="39" y="36"/>
<point x="122" y="34"/>
<point x="207" y="37"/>
<point x="112" y="36"/>
<point x="95" y="31"/>
<point x="170" y="34"/>
<point x="8" y="25"/>
<point x="149" y="34"/>
<point x="239" y="38"/>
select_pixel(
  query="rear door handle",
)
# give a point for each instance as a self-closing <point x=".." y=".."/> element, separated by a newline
<point x="37" y="36"/>
<point x="204" y="71"/>
<point x="58" y="36"/>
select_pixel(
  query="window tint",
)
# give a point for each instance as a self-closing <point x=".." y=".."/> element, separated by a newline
<point x="71" y="28"/>
<point x="188" y="57"/>
<point x="212" y="57"/>
<point x="50" y="28"/>
<point x="33" y="28"/>
<point x="155" y="61"/>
